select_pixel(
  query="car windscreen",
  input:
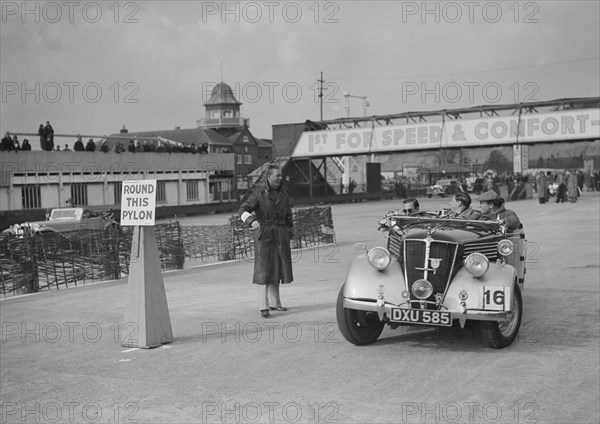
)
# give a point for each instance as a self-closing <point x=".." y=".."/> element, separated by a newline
<point x="64" y="214"/>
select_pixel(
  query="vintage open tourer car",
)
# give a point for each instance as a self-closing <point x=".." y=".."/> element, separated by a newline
<point x="64" y="220"/>
<point x="437" y="272"/>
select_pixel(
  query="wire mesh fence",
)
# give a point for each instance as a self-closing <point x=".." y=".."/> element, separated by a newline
<point x="59" y="260"/>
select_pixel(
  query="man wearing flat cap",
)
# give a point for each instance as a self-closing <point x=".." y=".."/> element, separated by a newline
<point x="492" y="208"/>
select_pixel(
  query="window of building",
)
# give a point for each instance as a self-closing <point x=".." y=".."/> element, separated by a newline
<point x="242" y="182"/>
<point x="117" y="187"/>
<point x="245" y="139"/>
<point x="161" y="193"/>
<point x="79" y="194"/>
<point x="239" y="159"/>
<point x="247" y="159"/>
<point x="192" y="190"/>
<point x="227" y="114"/>
<point x="31" y="197"/>
<point x="214" y="114"/>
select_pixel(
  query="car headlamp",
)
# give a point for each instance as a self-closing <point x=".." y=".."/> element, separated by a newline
<point x="506" y="247"/>
<point x="379" y="258"/>
<point x="477" y="264"/>
<point x="422" y="289"/>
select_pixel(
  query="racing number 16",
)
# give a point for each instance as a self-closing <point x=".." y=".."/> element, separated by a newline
<point x="493" y="299"/>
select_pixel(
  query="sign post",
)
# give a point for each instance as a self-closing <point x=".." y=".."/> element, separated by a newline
<point x="147" y="323"/>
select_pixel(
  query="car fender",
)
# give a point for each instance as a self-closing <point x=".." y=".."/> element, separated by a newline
<point x="363" y="281"/>
<point x="498" y="277"/>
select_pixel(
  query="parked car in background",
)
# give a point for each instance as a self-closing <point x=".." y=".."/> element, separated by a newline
<point x="436" y="272"/>
<point x="443" y="188"/>
<point x="63" y="220"/>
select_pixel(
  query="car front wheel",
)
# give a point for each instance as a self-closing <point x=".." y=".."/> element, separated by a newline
<point x="358" y="327"/>
<point x="498" y="335"/>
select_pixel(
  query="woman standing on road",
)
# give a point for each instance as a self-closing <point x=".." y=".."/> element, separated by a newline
<point x="272" y="224"/>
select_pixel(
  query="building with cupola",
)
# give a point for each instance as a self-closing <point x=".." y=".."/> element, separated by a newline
<point x="222" y="130"/>
<point x="209" y="163"/>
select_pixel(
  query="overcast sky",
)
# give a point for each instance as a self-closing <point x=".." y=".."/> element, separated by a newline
<point x="92" y="67"/>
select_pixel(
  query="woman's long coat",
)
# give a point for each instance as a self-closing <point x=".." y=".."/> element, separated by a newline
<point x="542" y="185"/>
<point x="572" y="186"/>
<point x="273" y="258"/>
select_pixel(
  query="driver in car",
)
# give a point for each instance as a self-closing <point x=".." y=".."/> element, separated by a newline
<point x="410" y="207"/>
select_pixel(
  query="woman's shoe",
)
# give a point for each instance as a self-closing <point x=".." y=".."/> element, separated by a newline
<point x="279" y="308"/>
<point x="265" y="313"/>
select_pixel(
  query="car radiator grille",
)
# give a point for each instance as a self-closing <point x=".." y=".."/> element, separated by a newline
<point x="414" y="257"/>
<point x="395" y="244"/>
<point x="489" y="250"/>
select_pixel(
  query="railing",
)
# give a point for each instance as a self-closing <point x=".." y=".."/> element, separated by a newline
<point x="59" y="260"/>
<point x="223" y="122"/>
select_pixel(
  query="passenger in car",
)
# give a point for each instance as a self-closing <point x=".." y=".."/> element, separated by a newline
<point x="492" y="208"/>
<point x="410" y="207"/>
<point x="461" y="207"/>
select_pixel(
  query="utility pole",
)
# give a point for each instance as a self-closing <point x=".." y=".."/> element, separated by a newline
<point x="320" y="81"/>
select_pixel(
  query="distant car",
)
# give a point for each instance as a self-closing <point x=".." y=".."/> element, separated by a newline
<point x="444" y="188"/>
<point x="64" y="220"/>
<point x="436" y="272"/>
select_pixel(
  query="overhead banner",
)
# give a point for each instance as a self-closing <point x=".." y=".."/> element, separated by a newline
<point x="138" y="202"/>
<point x="528" y="128"/>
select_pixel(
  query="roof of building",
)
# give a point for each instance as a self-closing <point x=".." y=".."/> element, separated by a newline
<point x="222" y="94"/>
<point x="197" y="136"/>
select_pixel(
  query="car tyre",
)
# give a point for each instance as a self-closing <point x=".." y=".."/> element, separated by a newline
<point x="358" y="327"/>
<point x="498" y="335"/>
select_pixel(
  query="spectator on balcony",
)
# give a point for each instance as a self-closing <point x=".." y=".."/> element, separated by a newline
<point x="26" y="146"/>
<point x="78" y="146"/>
<point x="119" y="148"/>
<point x="57" y="149"/>
<point x="90" y="145"/>
<point x="104" y="147"/>
<point x="49" y="134"/>
<point x="42" y="134"/>
<point x="131" y="147"/>
<point x="16" y="144"/>
<point x="66" y="148"/>
<point x="7" y="142"/>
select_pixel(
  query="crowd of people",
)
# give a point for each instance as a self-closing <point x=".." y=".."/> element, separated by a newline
<point x="47" y="143"/>
<point x="9" y="143"/>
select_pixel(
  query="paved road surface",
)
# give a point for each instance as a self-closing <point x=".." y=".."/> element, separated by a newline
<point x="61" y="360"/>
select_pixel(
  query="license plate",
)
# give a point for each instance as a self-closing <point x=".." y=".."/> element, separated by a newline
<point x="421" y="316"/>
